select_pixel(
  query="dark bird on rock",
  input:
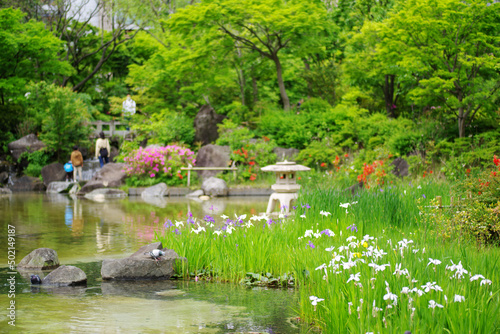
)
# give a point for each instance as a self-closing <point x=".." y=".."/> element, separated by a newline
<point x="155" y="254"/>
<point x="35" y="279"/>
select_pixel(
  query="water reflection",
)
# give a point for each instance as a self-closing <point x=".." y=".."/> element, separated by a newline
<point x="82" y="230"/>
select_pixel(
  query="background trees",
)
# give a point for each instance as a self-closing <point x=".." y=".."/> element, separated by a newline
<point x="264" y="27"/>
<point x="452" y="49"/>
<point x="428" y="62"/>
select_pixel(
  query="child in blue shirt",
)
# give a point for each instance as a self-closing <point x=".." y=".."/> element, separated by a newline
<point x="68" y="168"/>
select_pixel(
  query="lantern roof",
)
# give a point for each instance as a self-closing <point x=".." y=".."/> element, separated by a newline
<point x="285" y="166"/>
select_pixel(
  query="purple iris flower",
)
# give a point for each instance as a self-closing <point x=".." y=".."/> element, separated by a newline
<point x="209" y="219"/>
<point x="327" y="232"/>
<point x="311" y="245"/>
<point x="190" y="221"/>
<point x="352" y="228"/>
<point x="176" y="231"/>
<point x="305" y="206"/>
<point x="189" y="214"/>
<point x="168" y="223"/>
<point x="423" y="195"/>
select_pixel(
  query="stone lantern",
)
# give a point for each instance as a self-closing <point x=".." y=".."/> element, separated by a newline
<point x="286" y="186"/>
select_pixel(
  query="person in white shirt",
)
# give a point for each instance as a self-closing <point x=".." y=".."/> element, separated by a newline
<point x="128" y="110"/>
<point x="102" y="149"/>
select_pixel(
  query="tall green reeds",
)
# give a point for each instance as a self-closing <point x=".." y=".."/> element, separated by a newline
<point x="307" y="247"/>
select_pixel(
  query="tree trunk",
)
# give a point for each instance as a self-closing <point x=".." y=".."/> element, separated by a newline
<point x="281" y="84"/>
<point x="308" y="69"/>
<point x="241" y="79"/>
<point x="389" y="95"/>
<point x="242" y="83"/>
<point x="461" y="122"/>
<point x="255" y="90"/>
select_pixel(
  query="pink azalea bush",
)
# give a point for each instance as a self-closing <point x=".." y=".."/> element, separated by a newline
<point x="158" y="164"/>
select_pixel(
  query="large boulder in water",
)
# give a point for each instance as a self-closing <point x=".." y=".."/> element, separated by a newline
<point x="59" y="187"/>
<point x="52" y="173"/>
<point x="5" y="191"/>
<point x="41" y="258"/>
<point x="28" y="183"/>
<point x="4" y="178"/>
<point x="140" y="265"/>
<point x="158" y="190"/>
<point x="212" y="156"/>
<point x="111" y="175"/>
<point x="100" y="195"/>
<point x="65" y="276"/>
<point x="29" y="143"/>
<point x="214" y="187"/>
<point x="205" y="125"/>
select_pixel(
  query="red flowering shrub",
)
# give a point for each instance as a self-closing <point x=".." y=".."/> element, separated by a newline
<point x="247" y="162"/>
<point x="373" y="173"/>
<point x="478" y="215"/>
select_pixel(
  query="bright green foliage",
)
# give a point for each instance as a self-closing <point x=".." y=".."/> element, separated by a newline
<point x="319" y="152"/>
<point x="165" y="127"/>
<point x="374" y="72"/>
<point x="36" y="161"/>
<point x="452" y="48"/>
<point x="27" y="51"/>
<point x="262" y="26"/>
<point x="343" y="127"/>
<point x="474" y="215"/>
<point x="249" y="154"/>
<point x="61" y="116"/>
<point x="237" y="113"/>
<point x="182" y="76"/>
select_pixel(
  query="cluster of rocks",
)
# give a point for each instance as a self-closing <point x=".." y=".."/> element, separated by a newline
<point x="46" y="259"/>
<point x="138" y="266"/>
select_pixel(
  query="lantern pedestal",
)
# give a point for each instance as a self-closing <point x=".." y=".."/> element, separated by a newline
<point x="286" y="187"/>
<point x="284" y="200"/>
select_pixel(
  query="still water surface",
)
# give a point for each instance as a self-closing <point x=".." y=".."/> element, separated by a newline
<point x="85" y="232"/>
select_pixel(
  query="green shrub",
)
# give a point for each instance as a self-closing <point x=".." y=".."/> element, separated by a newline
<point x="475" y="215"/>
<point x="404" y="143"/>
<point x="237" y="113"/>
<point x="319" y="152"/>
<point x="233" y="135"/>
<point x="63" y="116"/>
<point x="36" y="161"/>
<point x="249" y="154"/>
<point x="315" y="106"/>
<point x="164" y="128"/>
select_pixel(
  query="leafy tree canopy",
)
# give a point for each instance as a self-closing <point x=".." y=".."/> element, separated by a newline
<point x="452" y="48"/>
<point x="262" y="26"/>
<point x="27" y="52"/>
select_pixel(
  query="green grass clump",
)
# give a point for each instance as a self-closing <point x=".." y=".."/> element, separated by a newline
<point x="335" y="254"/>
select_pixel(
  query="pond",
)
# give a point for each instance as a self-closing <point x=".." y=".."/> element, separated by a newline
<point x="85" y="232"/>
